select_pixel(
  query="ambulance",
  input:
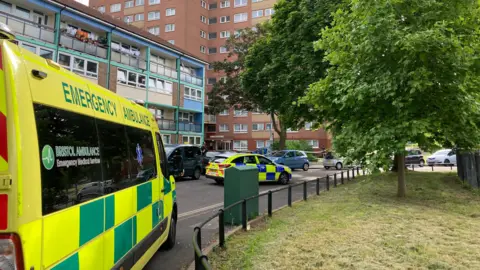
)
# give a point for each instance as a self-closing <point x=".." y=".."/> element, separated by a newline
<point x="84" y="180"/>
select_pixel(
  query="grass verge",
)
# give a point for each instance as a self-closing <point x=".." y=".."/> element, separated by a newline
<point x="363" y="225"/>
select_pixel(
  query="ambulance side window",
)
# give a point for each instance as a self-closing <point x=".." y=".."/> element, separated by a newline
<point x="141" y="154"/>
<point x="163" y="156"/>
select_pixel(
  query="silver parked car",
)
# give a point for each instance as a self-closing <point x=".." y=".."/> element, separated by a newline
<point x="330" y="161"/>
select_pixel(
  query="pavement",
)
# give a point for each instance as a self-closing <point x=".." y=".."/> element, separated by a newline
<point x="200" y="199"/>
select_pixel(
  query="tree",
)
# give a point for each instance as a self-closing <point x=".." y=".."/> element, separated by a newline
<point x="403" y="70"/>
<point x="281" y="64"/>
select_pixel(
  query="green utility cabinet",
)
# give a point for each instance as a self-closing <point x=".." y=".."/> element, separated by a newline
<point x="240" y="183"/>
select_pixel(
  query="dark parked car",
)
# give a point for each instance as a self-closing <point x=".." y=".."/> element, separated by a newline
<point x="414" y="156"/>
<point x="184" y="160"/>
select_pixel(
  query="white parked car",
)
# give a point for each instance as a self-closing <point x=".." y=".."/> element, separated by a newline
<point x="444" y="156"/>
<point x="330" y="161"/>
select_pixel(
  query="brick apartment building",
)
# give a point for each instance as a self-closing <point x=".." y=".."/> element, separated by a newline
<point x="201" y="28"/>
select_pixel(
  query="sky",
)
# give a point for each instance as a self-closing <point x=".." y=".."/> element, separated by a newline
<point x="85" y="2"/>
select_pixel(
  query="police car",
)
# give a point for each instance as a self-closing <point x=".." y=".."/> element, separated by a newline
<point x="268" y="171"/>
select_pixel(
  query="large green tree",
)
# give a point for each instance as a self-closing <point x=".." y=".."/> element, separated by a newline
<point x="281" y="65"/>
<point x="401" y="71"/>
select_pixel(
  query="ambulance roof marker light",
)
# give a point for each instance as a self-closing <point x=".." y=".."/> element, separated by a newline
<point x="6" y="32"/>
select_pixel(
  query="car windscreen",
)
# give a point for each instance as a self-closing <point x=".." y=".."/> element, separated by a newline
<point x="219" y="159"/>
<point x="441" y="152"/>
<point x="169" y="150"/>
<point x="278" y="154"/>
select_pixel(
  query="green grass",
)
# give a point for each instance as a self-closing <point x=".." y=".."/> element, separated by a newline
<point x="363" y="225"/>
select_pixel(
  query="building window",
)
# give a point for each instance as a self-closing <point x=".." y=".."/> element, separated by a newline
<point x="240" y="128"/>
<point x="269" y="12"/>
<point x="224" y="4"/>
<point x="78" y="65"/>
<point x="169" y="27"/>
<point x="308" y="125"/>
<point x="224" y="112"/>
<point x="268" y="126"/>
<point x="240" y="17"/>
<point x="129" y="4"/>
<point x="157" y="113"/>
<point x="212" y="50"/>
<point x="185" y="117"/>
<point x="256" y="1"/>
<point x="45" y="53"/>
<point x="130" y="78"/>
<point x="212" y="20"/>
<point x="212" y="6"/>
<point x="203" y="49"/>
<point x="212" y="35"/>
<point x="171" y="41"/>
<point x="128" y="19"/>
<point x="224" y="19"/>
<point x="224" y="34"/>
<point x="212" y="80"/>
<point x="240" y="3"/>
<point x="203" y="19"/>
<point x="257" y="13"/>
<point x="154" y="30"/>
<point x="203" y="4"/>
<point x="160" y="86"/>
<point x="193" y="94"/>
<point x="313" y="143"/>
<point x="170" y="11"/>
<point x="166" y="139"/>
<point x="101" y="9"/>
<point x="195" y="140"/>
<point x="260" y="144"/>
<point x="115" y="7"/>
<point x="139" y="2"/>
<point x="139" y="17"/>
<point x="154" y="15"/>
<point x="240" y="113"/>
<point x="203" y="34"/>
<point x="240" y="145"/>
<point x="154" y="2"/>
<point x="258" y="127"/>
<point x="223" y="49"/>
<point x="292" y="130"/>
<point x="223" y="127"/>
<point x="268" y="143"/>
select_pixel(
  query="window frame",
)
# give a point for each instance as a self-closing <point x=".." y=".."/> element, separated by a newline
<point x="257" y="125"/>
<point x="241" y="3"/>
<point x="190" y="96"/>
<point x="85" y="71"/>
<point x="130" y="3"/>
<point x="242" y="19"/>
<point x="240" y="148"/>
<point x="127" y="80"/>
<point x="220" y="129"/>
<point x="255" y="13"/>
<point x="139" y="17"/>
<point x="224" y="34"/>
<point x="155" y="17"/>
<point x="222" y="4"/>
<point x="119" y="5"/>
<point x="241" y="129"/>
<point x="167" y="14"/>
<point x="172" y="28"/>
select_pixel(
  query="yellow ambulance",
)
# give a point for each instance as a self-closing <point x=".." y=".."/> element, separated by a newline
<point x="83" y="172"/>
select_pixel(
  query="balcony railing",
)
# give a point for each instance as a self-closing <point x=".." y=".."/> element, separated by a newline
<point x="28" y="28"/>
<point x="166" y="124"/>
<point x="73" y="43"/>
<point x="185" y="77"/>
<point x="129" y="60"/>
<point x="189" y="127"/>
<point x="210" y="119"/>
<point x="161" y="69"/>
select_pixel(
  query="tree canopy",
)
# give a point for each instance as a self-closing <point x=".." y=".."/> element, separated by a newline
<point x="401" y="71"/>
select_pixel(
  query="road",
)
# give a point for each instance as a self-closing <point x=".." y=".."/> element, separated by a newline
<point x="200" y="199"/>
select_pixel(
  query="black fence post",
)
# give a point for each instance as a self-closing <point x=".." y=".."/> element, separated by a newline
<point x="363" y="170"/>
<point x="413" y="167"/>
<point x="335" y="180"/>
<point x="244" y="214"/>
<point x="348" y="175"/>
<point x="432" y="167"/>
<point x="353" y="173"/>
<point x="290" y="196"/>
<point x="358" y="171"/>
<point x="341" y="175"/>
<point x="269" y="203"/>
<point x="305" y="190"/>
<point x="451" y="167"/>
<point x="221" y="228"/>
<point x="318" y="186"/>
<point x="198" y="260"/>
<point x="328" y="182"/>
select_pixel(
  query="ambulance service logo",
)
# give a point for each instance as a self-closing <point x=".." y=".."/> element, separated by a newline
<point x="48" y="157"/>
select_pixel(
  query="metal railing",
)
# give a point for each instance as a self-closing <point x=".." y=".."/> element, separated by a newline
<point x="28" y="28"/>
<point x="189" y="78"/>
<point x="166" y="124"/>
<point x="189" y="127"/>
<point x="73" y="43"/>
<point x="201" y="260"/>
<point x="164" y="70"/>
<point x="129" y="60"/>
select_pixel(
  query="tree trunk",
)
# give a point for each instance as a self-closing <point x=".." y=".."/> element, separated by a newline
<point x="395" y="164"/>
<point x="283" y="139"/>
<point x="280" y="130"/>
<point x="402" y="188"/>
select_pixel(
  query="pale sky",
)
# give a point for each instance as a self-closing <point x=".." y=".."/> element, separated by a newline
<point x="85" y="2"/>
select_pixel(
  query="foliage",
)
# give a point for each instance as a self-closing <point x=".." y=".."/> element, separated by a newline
<point x="280" y="65"/>
<point x="293" y="145"/>
<point x="401" y="71"/>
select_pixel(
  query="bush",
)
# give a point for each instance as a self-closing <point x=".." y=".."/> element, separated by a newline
<point x="293" y="145"/>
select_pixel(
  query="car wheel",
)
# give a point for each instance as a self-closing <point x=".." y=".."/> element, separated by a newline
<point x="172" y="233"/>
<point x="446" y="162"/>
<point x="422" y="163"/>
<point x="306" y="167"/>
<point x="326" y="167"/>
<point x="197" y="173"/>
<point x="339" y="166"/>
<point x="283" y="178"/>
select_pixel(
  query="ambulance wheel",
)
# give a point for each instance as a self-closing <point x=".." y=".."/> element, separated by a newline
<point x="197" y="173"/>
<point x="220" y="182"/>
<point x="283" y="178"/>
<point x="172" y="233"/>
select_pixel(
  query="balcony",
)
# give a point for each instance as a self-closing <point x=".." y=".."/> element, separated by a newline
<point x="192" y="79"/>
<point x="166" y="124"/>
<point x="161" y="69"/>
<point x="129" y="60"/>
<point x="28" y="28"/>
<point x="73" y="43"/>
<point x="190" y="127"/>
<point x="210" y="119"/>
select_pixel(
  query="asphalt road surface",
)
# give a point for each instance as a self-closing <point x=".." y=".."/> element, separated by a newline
<point x="200" y="199"/>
